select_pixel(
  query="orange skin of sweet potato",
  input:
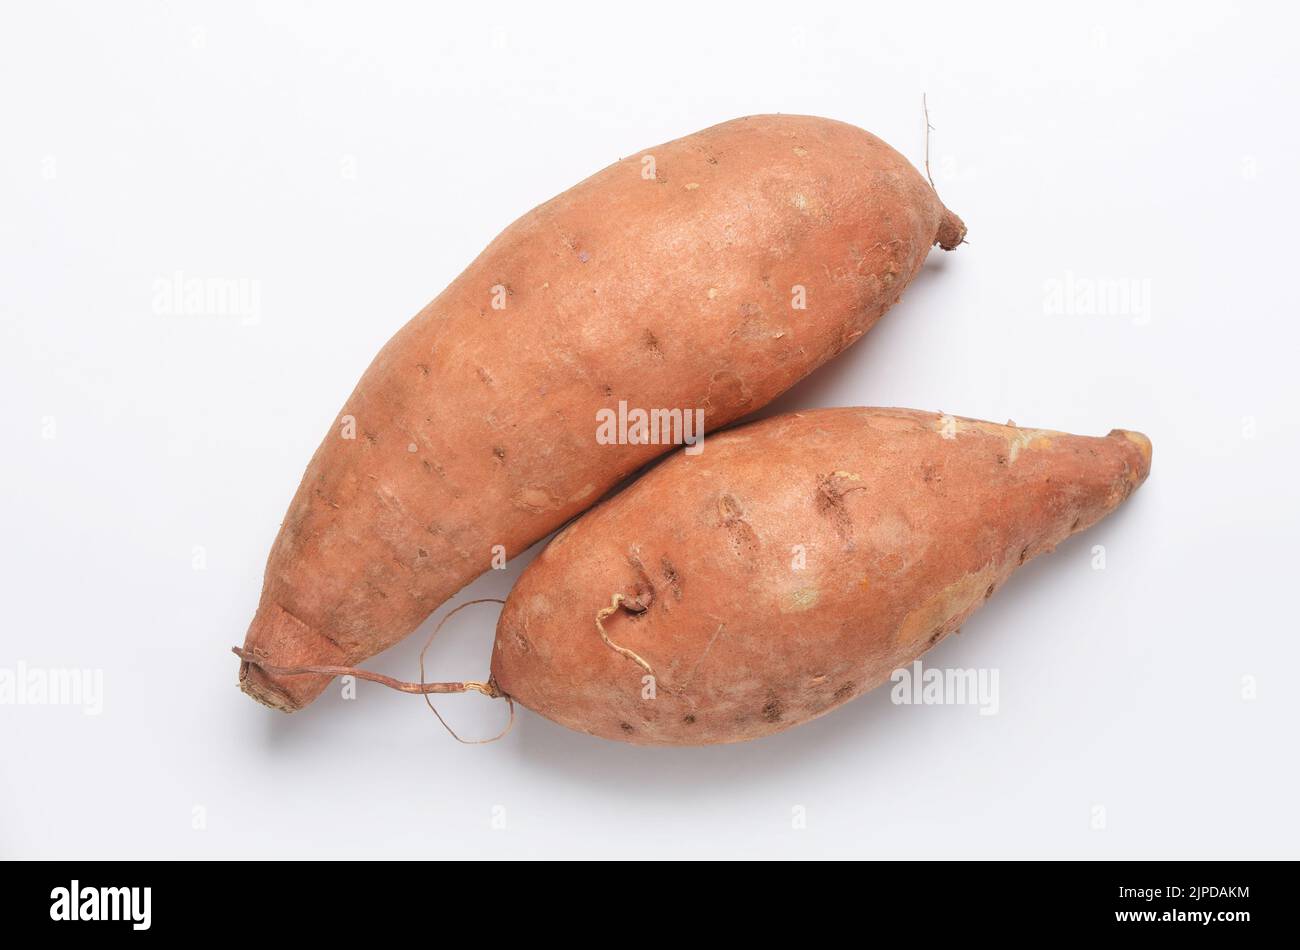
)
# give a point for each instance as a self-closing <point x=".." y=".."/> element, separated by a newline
<point x="476" y="426"/>
<point x="905" y="532"/>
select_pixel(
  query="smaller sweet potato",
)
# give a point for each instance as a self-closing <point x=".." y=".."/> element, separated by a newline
<point x="791" y="567"/>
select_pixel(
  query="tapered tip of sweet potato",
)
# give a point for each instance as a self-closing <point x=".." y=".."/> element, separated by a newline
<point x="952" y="231"/>
<point x="283" y="640"/>
<point x="260" y="687"/>
<point x="1143" y="454"/>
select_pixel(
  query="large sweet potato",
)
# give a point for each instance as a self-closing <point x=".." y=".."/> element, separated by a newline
<point x="708" y="273"/>
<point x="790" y="567"/>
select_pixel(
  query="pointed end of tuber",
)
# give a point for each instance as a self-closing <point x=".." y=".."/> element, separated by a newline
<point x="284" y="640"/>
<point x="1141" y="455"/>
<point x="257" y="684"/>
<point x="952" y="231"/>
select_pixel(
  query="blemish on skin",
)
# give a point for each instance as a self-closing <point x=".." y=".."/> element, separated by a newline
<point x="729" y="508"/>
<point x="691" y="186"/>
<point x="582" y="492"/>
<point x="890" y="563"/>
<point x="499" y="453"/>
<point x="534" y="498"/>
<point x="945" y="610"/>
<point x="713" y="293"/>
<point x="583" y="257"/>
<point x="671" y="576"/>
<point x="844" y="691"/>
<point x="1024" y="555"/>
<point x="484" y="375"/>
<point x="688" y="719"/>
<point x="1018" y="440"/>
<point x="800" y="202"/>
<point x="421" y="552"/>
<point x="831" y="490"/>
<point x="800" y="151"/>
<point x="802" y="599"/>
<point x="818" y="680"/>
<point x="1021" y="440"/>
<point x="731" y="515"/>
<point x="412" y="447"/>
<point x="727" y="393"/>
<point x="626" y="727"/>
<point x="773" y="710"/>
<point x="988" y="593"/>
<point x="423" y="368"/>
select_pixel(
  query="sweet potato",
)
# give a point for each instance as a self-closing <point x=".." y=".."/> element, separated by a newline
<point x="790" y="567"/>
<point x="709" y="273"/>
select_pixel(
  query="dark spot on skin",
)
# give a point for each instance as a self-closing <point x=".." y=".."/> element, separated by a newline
<point x="773" y="711"/>
<point x="831" y="490"/>
<point x="1024" y="555"/>
<point x="671" y="577"/>
<point x="645" y="588"/>
<point x="711" y="160"/>
<point x="428" y="466"/>
<point x="744" y="540"/>
<point x="844" y="691"/>
<point x="499" y="453"/>
<point x="1002" y="460"/>
<point x="608" y="389"/>
<point x="689" y="720"/>
<point x="930" y="473"/>
<point x="422" y="552"/>
<point x="371" y="438"/>
<point x="484" y="375"/>
<point x="934" y="637"/>
<point x="988" y="593"/>
<point x="423" y="368"/>
<point x="1075" y="526"/>
<point x="729" y="508"/>
<point x="626" y="727"/>
<point x="651" y="343"/>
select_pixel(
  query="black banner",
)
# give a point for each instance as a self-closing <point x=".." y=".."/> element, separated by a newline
<point x="403" y="900"/>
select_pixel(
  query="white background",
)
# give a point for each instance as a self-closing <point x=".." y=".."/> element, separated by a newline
<point x="350" y="161"/>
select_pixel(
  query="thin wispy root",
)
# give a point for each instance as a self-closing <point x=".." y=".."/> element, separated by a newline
<point x="488" y="689"/>
<point x="601" y="615"/>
